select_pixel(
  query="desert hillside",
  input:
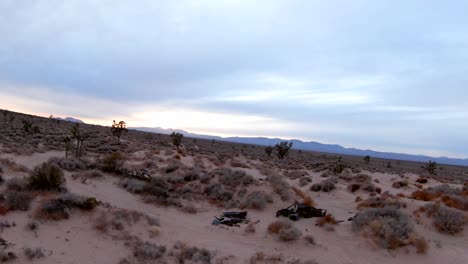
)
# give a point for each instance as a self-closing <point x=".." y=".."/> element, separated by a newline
<point x="80" y="194"/>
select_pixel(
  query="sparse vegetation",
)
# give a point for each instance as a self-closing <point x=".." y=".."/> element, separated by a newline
<point x="284" y="230"/>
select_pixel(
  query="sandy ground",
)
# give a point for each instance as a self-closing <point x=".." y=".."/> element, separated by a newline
<point x="76" y="241"/>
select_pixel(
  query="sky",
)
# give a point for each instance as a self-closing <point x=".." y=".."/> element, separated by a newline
<point x="382" y="75"/>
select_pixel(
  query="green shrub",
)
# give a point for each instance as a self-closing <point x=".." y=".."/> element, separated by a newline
<point x="46" y="177"/>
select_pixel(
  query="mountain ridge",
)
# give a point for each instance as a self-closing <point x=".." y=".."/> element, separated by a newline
<point x="314" y="146"/>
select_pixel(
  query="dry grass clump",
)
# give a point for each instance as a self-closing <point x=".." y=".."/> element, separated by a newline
<point x="250" y="228"/>
<point x="112" y="162"/>
<point x="284" y="230"/>
<point x="33" y="253"/>
<point x="445" y="219"/>
<point x="328" y="219"/>
<point x="261" y="257"/>
<point x="387" y="227"/>
<point x="306" y="199"/>
<point x="233" y="178"/>
<point x="69" y="164"/>
<point x="257" y="200"/>
<point x="46" y="177"/>
<point x="7" y="256"/>
<point x="13" y="166"/>
<point x="121" y="218"/>
<point x="146" y="251"/>
<point x="280" y="186"/>
<point x="304" y="181"/>
<point x="182" y="253"/>
<point x="133" y="185"/>
<point x="326" y="185"/>
<point x="17" y="201"/>
<point x="384" y="200"/>
<point x="58" y="208"/>
<point x="451" y="197"/>
<point x="17" y="184"/>
<point x="400" y="184"/>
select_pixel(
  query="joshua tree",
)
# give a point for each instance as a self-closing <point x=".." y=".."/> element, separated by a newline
<point x="431" y="167"/>
<point x="79" y="137"/>
<point x="269" y="150"/>
<point x="282" y="149"/>
<point x="67" y="141"/>
<point x="213" y="141"/>
<point x="5" y="115"/>
<point x="30" y="128"/>
<point x="118" y="128"/>
<point x="176" y="139"/>
<point x="366" y="159"/>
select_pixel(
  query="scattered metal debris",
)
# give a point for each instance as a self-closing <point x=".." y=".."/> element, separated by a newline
<point x="231" y="219"/>
<point x="298" y="211"/>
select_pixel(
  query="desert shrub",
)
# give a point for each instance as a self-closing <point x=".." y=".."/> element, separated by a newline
<point x="133" y="185"/>
<point x="53" y="210"/>
<point x="16" y="184"/>
<point x="46" y="177"/>
<point x="400" y="184"/>
<point x="2" y="180"/>
<point x="289" y="234"/>
<point x="388" y="227"/>
<point x="145" y="251"/>
<point x="68" y="164"/>
<point x="192" y="175"/>
<point x="328" y="219"/>
<point x="257" y="200"/>
<point x="18" y="201"/>
<point x="217" y="192"/>
<point x="250" y="228"/>
<point x="6" y="256"/>
<point x="182" y="253"/>
<point x="384" y="200"/>
<point x="304" y="181"/>
<point x="93" y="174"/>
<point x="310" y="239"/>
<point x="112" y="162"/>
<point x="35" y="253"/>
<point x="189" y="208"/>
<point x="421" y="180"/>
<point x="261" y="257"/>
<point x="276" y="226"/>
<point x="234" y="178"/>
<point x="446" y="220"/>
<point x="325" y="186"/>
<point x="78" y="201"/>
<point x="280" y="186"/>
<point x="306" y="199"/>
<point x="354" y="187"/>
<point x="444" y="189"/>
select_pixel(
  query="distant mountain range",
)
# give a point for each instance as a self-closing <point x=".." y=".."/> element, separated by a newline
<point x="313" y="146"/>
<point x="69" y="119"/>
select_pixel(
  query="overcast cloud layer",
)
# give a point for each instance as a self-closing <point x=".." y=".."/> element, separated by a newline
<point x="386" y="75"/>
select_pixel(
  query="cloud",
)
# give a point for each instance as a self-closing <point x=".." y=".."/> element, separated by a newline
<point x="390" y="74"/>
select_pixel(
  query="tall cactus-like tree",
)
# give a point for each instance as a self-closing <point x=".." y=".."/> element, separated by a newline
<point x="67" y="141"/>
<point x="176" y="139"/>
<point x="269" y="150"/>
<point x="118" y="128"/>
<point x="79" y="138"/>
<point x="431" y="167"/>
<point x="367" y="159"/>
<point x="282" y="149"/>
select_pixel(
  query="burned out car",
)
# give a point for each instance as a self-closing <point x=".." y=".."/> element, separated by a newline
<point x="298" y="211"/>
<point x="231" y="219"/>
